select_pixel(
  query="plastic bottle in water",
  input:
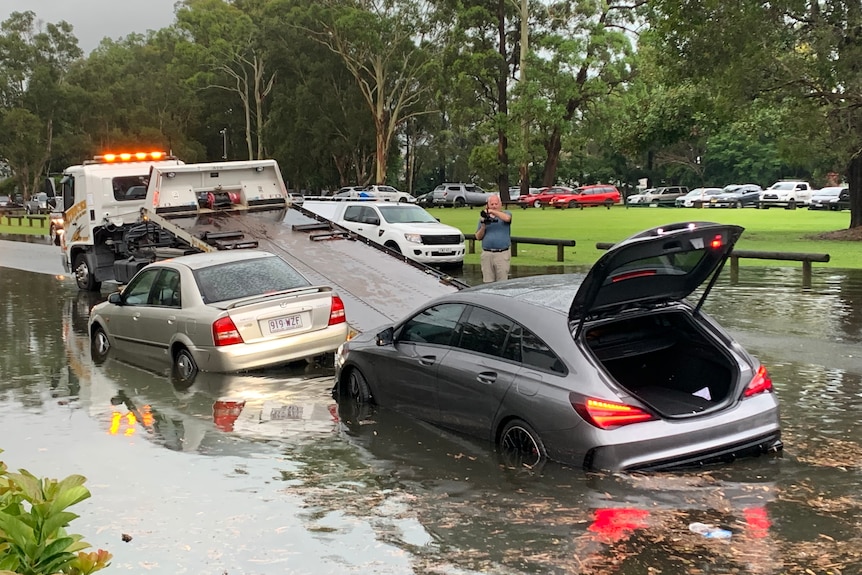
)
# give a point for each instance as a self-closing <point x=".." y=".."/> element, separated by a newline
<point x="709" y="531"/>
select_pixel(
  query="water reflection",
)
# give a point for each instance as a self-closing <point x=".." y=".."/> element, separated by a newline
<point x="264" y="472"/>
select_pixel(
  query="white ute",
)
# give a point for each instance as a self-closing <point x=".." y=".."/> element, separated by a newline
<point x="405" y="228"/>
<point x="787" y="194"/>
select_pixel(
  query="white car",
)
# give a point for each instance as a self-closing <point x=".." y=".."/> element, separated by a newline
<point x="383" y="193"/>
<point x="697" y="198"/>
<point x="641" y="198"/>
<point x="787" y="194"/>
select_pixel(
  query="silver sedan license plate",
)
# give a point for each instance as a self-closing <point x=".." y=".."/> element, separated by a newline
<point x="285" y="323"/>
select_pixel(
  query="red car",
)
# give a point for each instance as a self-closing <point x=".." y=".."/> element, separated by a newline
<point x="595" y="195"/>
<point x="544" y="197"/>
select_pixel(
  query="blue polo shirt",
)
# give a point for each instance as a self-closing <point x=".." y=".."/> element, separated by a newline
<point x="497" y="234"/>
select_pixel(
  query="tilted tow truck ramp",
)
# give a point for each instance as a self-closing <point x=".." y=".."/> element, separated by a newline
<point x="233" y="205"/>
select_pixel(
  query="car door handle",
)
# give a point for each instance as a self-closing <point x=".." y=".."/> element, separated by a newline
<point x="136" y="316"/>
<point x="488" y="377"/>
<point x="172" y="319"/>
<point x="428" y="359"/>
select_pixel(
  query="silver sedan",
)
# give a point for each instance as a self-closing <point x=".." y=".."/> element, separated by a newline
<point x="224" y="311"/>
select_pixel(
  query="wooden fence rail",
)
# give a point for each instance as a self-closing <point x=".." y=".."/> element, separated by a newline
<point x="471" y="244"/>
<point x="806" y="258"/>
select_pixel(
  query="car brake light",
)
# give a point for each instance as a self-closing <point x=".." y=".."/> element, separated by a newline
<point x="225" y="332"/>
<point x="336" y="312"/>
<point x="609" y="414"/>
<point x="760" y="383"/>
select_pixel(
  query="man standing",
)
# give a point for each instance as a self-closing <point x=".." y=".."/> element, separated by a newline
<point x="494" y="233"/>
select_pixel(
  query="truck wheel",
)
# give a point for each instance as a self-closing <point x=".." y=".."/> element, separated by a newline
<point x="393" y="246"/>
<point x="791" y="205"/>
<point x="460" y="203"/>
<point x="84" y="275"/>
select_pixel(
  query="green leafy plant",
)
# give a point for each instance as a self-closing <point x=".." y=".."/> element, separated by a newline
<point x="33" y="517"/>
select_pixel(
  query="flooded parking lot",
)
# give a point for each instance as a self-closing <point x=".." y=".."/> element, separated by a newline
<point x="261" y="473"/>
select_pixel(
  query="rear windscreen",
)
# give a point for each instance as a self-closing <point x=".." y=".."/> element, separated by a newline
<point x="245" y="278"/>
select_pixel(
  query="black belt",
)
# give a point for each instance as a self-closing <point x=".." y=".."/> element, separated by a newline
<point x="495" y="251"/>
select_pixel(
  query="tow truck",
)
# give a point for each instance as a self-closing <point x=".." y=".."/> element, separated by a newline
<point x="123" y="211"/>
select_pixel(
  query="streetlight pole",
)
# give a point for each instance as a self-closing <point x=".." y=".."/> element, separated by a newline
<point x="223" y="133"/>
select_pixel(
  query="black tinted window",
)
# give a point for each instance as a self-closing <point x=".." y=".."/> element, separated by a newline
<point x="246" y="278"/>
<point x="433" y="325"/>
<point x="524" y="346"/>
<point x="351" y="214"/>
<point x="484" y="331"/>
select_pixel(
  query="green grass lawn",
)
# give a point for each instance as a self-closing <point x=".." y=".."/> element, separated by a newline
<point x="765" y="230"/>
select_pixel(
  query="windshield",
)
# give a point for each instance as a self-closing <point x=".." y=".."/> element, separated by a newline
<point x="829" y="192"/>
<point x="784" y="186"/>
<point x="406" y="215"/>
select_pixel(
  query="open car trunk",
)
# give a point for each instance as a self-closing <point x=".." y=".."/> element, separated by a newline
<point x="664" y="360"/>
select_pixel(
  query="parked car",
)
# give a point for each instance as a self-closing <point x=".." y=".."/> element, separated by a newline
<point x="612" y="370"/>
<point x="544" y="197"/>
<point x="830" y="198"/>
<point x="425" y="200"/>
<point x="39" y="203"/>
<point x="737" y="196"/>
<point x="593" y="195"/>
<point x="697" y="197"/>
<point x="353" y="193"/>
<point x="663" y="196"/>
<point x="7" y="203"/>
<point x="458" y="195"/>
<point x="788" y="194"/>
<point x="389" y="194"/>
<point x="224" y="311"/>
<point x="295" y="198"/>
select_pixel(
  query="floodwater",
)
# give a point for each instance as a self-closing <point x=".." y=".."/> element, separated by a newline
<point x="257" y="474"/>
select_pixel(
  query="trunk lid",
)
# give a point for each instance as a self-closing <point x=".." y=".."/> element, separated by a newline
<point x="283" y="314"/>
<point x="655" y="267"/>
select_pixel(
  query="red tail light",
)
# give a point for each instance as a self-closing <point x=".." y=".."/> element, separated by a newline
<point x="336" y="312"/>
<point x="760" y="383"/>
<point x="608" y="414"/>
<point x="225" y="332"/>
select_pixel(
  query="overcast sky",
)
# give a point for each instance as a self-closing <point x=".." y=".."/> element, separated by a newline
<point x="93" y="20"/>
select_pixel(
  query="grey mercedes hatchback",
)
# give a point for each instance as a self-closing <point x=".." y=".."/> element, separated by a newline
<point x="616" y="369"/>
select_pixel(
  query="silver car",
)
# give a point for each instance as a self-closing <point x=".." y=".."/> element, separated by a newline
<point x="614" y="369"/>
<point x="225" y="311"/>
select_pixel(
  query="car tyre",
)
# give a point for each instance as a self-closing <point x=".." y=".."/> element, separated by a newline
<point x="791" y="205"/>
<point x="460" y="203"/>
<point x="537" y="204"/>
<point x="100" y="345"/>
<point x="608" y="204"/>
<point x="738" y="205"/>
<point x="394" y="247"/>
<point x="573" y="204"/>
<point x="520" y="446"/>
<point x="355" y="402"/>
<point x="184" y="367"/>
<point x="84" y="274"/>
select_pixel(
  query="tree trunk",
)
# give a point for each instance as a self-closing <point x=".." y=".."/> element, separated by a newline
<point x="503" y="105"/>
<point x="552" y="148"/>
<point x="854" y="179"/>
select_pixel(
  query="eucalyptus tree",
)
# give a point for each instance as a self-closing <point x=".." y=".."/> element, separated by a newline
<point x="225" y="43"/>
<point x="34" y="61"/>
<point x="383" y="44"/>
<point x="320" y="128"/>
<point x="582" y="53"/>
<point x="800" y="54"/>
<point x="131" y="94"/>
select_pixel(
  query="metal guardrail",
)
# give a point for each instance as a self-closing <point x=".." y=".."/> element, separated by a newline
<point x="471" y="244"/>
<point x="806" y="258"/>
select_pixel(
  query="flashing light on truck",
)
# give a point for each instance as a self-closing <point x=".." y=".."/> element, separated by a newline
<point x="112" y="158"/>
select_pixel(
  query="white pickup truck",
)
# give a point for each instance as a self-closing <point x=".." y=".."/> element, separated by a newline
<point x="404" y="228"/>
<point x="786" y="194"/>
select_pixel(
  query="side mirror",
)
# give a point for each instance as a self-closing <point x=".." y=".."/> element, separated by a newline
<point x="116" y="298"/>
<point x="386" y="337"/>
<point x="372" y="220"/>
